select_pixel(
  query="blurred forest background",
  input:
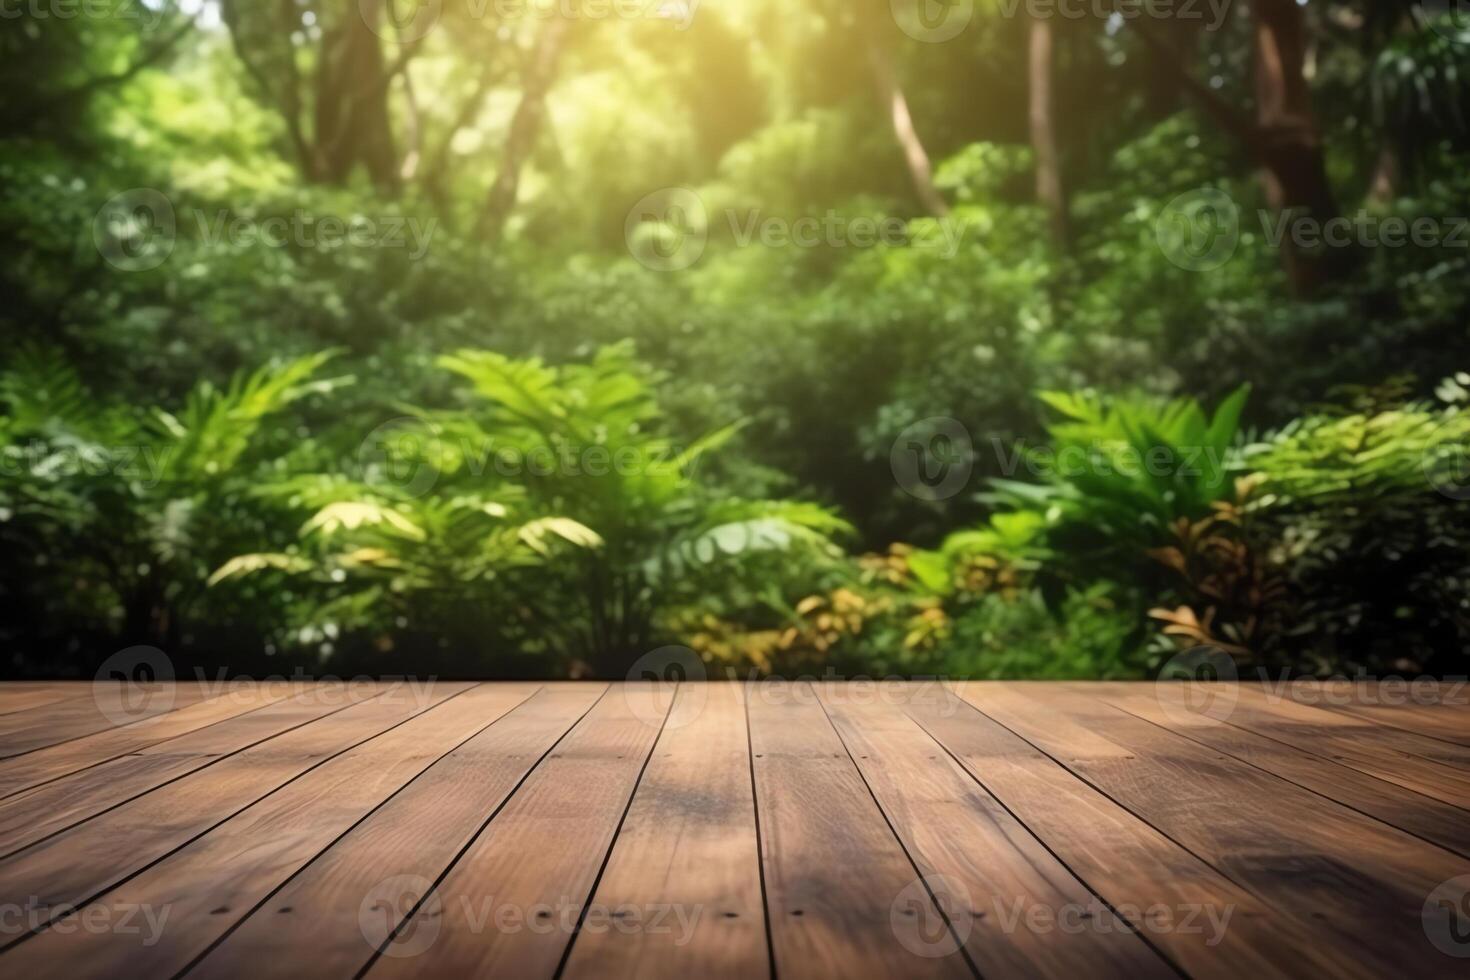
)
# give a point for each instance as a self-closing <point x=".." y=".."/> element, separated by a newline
<point x="990" y="338"/>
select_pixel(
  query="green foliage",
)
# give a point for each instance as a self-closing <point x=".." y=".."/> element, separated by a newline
<point x="506" y="486"/>
<point x="553" y="511"/>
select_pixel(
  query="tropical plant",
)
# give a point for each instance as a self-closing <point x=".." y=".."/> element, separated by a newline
<point x="553" y="510"/>
<point x="136" y="504"/>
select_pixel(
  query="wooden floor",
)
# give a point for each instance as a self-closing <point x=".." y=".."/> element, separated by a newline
<point x="527" y="830"/>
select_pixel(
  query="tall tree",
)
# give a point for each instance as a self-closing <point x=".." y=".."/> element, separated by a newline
<point x="896" y="104"/>
<point x="1283" y="137"/>
<point x="525" y="127"/>
<point x="1041" y="71"/>
<point x="332" y="95"/>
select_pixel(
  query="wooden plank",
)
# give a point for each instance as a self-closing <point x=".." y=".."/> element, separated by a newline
<point x="24" y="695"/>
<point x="1319" y="862"/>
<point x="1020" y="911"/>
<point x="1428" y="766"/>
<point x="36" y="814"/>
<point x="836" y="877"/>
<point x="68" y="869"/>
<point x="685" y="869"/>
<point x="343" y="904"/>
<point x="217" y="879"/>
<point x="1422" y="816"/>
<point x="43" y="765"/>
<point x="1218" y="930"/>
<point x="26" y="731"/>
<point x="511" y="904"/>
<point x="1431" y="708"/>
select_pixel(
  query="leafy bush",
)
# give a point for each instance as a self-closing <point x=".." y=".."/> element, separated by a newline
<point x="553" y="515"/>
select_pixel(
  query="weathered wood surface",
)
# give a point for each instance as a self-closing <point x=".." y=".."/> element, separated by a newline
<point x="586" y="830"/>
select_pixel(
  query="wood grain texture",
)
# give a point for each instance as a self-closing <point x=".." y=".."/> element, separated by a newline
<point x="570" y="831"/>
<point x="43" y="765"/>
<point x="841" y="893"/>
<point x="345" y="903"/>
<point x="23" y="695"/>
<point x="106" y="706"/>
<point x="1021" y="911"/>
<point x="38" y="813"/>
<point x="511" y="905"/>
<point x="67" y="870"/>
<point x="1425" y="706"/>
<point x="219" y="878"/>
<point x="1423" y="816"/>
<point x="1324" y="866"/>
<point x="1428" y="766"/>
<point x="1129" y="863"/>
<point x="686" y="861"/>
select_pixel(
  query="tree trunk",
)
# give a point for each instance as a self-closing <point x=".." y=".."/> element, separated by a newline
<point x="352" y="122"/>
<point x="1383" y="187"/>
<point x="525" y="126"/>
<point x="1294" y="172"/>
<point x="1049" y="190"/>
<point x="916" y="158"/>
